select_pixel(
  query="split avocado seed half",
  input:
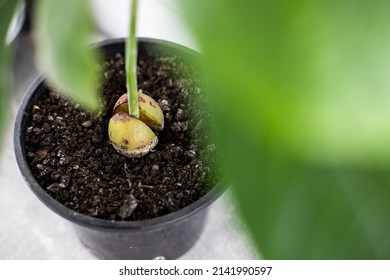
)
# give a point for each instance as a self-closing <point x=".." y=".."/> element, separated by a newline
<point x="134" y="137"/>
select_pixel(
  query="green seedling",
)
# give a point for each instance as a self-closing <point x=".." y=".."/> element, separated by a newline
<point x="135" y="112"/>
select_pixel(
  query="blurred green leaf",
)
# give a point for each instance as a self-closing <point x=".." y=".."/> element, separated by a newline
<point x="301" y="95"/>
<point x="64" y="31"/>
<point x="7" y="9"/>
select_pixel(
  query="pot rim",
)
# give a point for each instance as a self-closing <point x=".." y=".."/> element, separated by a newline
<point x="85" y="220"/>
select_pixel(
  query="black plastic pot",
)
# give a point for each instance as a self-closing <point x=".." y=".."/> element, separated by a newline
<point x="169" y="236"/>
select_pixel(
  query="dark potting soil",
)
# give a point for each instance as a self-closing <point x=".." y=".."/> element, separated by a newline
<point x="70" y="155"/>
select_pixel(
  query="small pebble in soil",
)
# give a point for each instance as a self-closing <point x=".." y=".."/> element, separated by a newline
<point x="154" y="171"/>
<point x="179" y="114"/>
<point x="87" y="124"/>
<point x="129" y="205"/>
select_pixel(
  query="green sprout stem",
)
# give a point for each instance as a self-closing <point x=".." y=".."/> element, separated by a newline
<point x="131" y="62"/>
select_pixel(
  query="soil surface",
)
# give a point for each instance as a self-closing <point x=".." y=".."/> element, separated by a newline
<point x="70" y="155"/>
